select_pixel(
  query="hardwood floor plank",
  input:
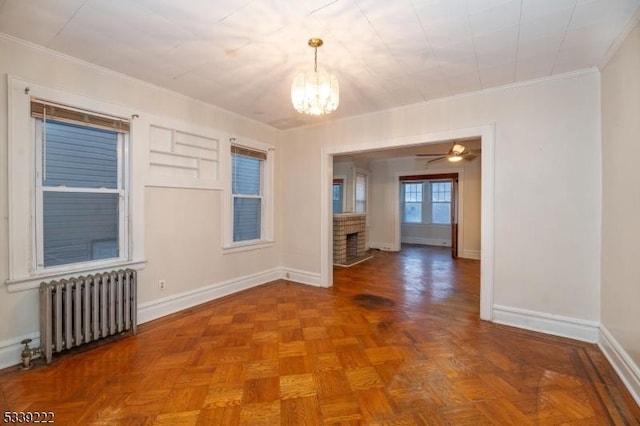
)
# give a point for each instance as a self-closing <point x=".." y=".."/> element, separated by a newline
<point x="396" y="341"/>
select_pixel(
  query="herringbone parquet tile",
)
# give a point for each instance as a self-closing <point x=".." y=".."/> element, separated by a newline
<point x="396" y="341"/>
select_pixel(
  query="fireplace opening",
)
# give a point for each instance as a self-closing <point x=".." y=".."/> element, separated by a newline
<point x="352" y="246"/>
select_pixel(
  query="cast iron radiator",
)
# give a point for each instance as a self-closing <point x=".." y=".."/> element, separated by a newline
<point x="80" y="310"/>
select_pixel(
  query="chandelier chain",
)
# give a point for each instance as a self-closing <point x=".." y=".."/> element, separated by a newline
<point x="315" y="59"/>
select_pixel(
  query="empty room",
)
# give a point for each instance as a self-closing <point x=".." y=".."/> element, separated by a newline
<point x="319" y="212"/>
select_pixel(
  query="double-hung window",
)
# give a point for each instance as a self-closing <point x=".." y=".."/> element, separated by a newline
<point x="81" y="190"/>
<point x="426" y="202"/>
<point x="247" y="188"/>
<point x="338" y="195"/>
<point x="440" y="202"/>
<point x="76" y="202"/>
<point x="361" y="193"/>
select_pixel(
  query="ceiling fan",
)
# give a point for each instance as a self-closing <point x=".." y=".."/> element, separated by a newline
<point x="458" y="152"/>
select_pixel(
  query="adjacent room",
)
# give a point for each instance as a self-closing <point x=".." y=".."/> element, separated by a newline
<point x="320" y="212"/>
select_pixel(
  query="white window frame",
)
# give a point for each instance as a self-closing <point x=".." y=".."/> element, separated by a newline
<point x="122" y="190"/>
<point x="364" y="173"/>
<point x="403" y="195"/>
<point x="427" y="203"/>
<point x="24" y="273"/>
<point x="266" y="182"/>
<point x="431" y="202"/>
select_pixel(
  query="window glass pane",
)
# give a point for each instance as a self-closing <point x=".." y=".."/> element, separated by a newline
<point x="413" y="192"/>
<point x="337" y="198"/>
<point x="441" y="213"/>
<point x="246" y="218"/>
<point x="246" y="175"/>
<point x="441" y="191"/>
<point x="361" y="187"/>
<point x="79" y="227"/>
<point x="79" y="157"/>
<point x="361" y="193"/>
<point x="413" y="212"/>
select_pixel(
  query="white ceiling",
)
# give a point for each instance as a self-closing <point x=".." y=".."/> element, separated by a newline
<point x="242" y="55"/>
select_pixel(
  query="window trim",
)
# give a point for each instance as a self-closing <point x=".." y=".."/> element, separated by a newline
<point x="267" y="183"/>
<point x="366" y="200"/>
<point x="403" y="195"/>
<point x="427" y="201"/>
<point x="21" y="180"/>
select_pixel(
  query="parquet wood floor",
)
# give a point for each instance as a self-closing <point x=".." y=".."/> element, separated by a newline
<point x="396" y="341"/>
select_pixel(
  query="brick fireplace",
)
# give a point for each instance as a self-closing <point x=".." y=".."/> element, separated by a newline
<point x="349" y="237"/>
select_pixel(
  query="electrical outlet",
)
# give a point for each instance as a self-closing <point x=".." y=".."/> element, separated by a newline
<point x="162" y="284"/>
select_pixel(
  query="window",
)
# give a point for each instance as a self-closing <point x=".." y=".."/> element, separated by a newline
<point x="338" y="195"/>
<point x="427" y="202"/>
<point x="81" y="192"/>
<point x="440" y="202"/>
<point x="412" y="202"/>
<point x="247" y="193"/>
<point x="75" y="201"/>
<point x="361" y="193"/>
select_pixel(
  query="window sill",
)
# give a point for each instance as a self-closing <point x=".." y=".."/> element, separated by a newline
<point x="248" y="246"/>
<point x="434" y="225"/>
<point x="33" y="281"/>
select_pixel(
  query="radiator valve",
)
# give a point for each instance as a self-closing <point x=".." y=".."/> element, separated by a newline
<point x="28" y="354"/>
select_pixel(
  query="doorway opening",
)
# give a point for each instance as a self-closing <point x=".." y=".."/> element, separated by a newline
<point x="429" y="210"/>
<point x="486" y="137"/>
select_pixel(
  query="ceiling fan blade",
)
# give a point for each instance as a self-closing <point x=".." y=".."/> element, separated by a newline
<point x="429" y="155"/>
<point x="469" y="157"/>
<point x="436" y="159"/>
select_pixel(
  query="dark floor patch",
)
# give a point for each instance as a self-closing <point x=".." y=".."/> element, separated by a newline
<point x="371" y="301"/>
<point x="386" y="326"/>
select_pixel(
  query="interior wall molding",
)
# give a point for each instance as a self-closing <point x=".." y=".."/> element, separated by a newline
<point x="10" y="350"/>
<point x="301" y="277"/>
<point x="158" y="308"/>
<point x="471" y="254"/>
<point x="557" y="325"/>
<point x="627" y="370"/>
<point x="382" y="246"/>
<point x="426" y="241"/>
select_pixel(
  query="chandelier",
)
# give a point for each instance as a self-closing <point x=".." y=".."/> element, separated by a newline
<point x="315" y="92"/>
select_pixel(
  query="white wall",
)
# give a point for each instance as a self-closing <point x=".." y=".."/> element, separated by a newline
<point x="183" y="226"/>
<point x="621" y="209"/>
<point x="547" y="187"/>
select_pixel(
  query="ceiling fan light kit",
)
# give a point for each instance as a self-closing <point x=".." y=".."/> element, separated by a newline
<point x="315" y="92"/>
<point x="458" y="152"/>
